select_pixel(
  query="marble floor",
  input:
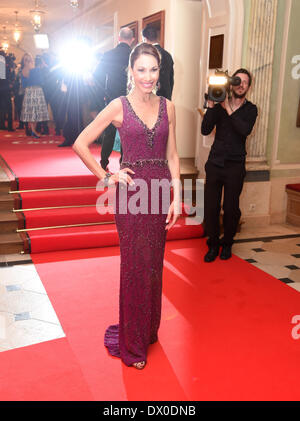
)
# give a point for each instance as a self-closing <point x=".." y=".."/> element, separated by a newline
<point x="27" y="316"/>
<point x="274" y="249"/>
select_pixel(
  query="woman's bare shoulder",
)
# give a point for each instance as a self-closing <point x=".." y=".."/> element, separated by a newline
<point x="116" y="104"/>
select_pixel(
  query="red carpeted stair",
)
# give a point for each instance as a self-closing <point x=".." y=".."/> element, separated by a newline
<point x="96" y="236"/>
<point x="67" y="216"/>
<point x="49" y="198"/>
<point x="57" y="201"/>
<point x="49" y="222"/>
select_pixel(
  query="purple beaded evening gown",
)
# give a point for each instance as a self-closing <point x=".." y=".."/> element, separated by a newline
<point x="142" y="236"/>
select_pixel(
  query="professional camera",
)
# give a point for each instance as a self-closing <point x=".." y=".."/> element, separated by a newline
<point x="218" y="85"/>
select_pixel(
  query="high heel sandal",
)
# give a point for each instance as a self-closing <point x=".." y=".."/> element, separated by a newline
<point x="140" y="365"/>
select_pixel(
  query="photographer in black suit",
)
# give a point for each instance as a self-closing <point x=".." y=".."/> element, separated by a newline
<point x="111" y="81"/>
<point x="166" y="74"/>
<point x="234" y="119"/>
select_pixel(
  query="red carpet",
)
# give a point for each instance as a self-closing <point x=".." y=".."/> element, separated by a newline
<point x="40" y="164"/>
<point x="225" y="333"/>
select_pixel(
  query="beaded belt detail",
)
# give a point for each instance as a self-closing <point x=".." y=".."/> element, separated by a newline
<point x="142" y="162"/>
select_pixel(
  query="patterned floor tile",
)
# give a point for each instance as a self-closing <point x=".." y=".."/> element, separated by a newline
<point x="286" y="280"/>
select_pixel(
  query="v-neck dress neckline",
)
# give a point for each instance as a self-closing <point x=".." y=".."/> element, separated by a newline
<point x="139" y="118"/>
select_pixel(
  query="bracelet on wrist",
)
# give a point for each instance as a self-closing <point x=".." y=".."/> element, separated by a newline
<point x="106" y="179"/>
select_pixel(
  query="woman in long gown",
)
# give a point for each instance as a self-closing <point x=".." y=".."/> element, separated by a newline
<point x="146" y="124"/>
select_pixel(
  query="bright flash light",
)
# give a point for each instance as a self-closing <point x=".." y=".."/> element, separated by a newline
<point x="41" y="41"/>
<point x="217" y="80"/>
<point x="77" y="57"/>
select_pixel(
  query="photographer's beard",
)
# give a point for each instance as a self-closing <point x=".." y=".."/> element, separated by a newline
<point x="238" y="96"/>
<point x="239" y="92"/>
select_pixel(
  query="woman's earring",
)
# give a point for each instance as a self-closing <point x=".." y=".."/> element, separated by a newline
<point x="157" y="86"/>
<point x="130" y="84"/>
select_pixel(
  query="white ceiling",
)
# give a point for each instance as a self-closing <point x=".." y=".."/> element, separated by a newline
<point x="58" y="12"/>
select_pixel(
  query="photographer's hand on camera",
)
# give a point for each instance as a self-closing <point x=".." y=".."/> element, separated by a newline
<point x="210" y="104"/>
<point x="226" y="105"/>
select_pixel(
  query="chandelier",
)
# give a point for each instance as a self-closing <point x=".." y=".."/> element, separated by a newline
<point x="17" y="30"/>
<point x="74" y="3"/>
<point x="36" y="14"/>
<point x="5" y="42"/>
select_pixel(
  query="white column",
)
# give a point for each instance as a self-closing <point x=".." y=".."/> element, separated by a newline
<point x="259" y="61"/>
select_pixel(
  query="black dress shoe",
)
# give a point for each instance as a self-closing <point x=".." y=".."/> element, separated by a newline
<point x="212" y="254"/>
<point x="225" y="253"/>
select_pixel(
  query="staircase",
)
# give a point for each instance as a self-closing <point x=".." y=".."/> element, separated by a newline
<point x="63" y="218"/>
<point x="10" y="241"/>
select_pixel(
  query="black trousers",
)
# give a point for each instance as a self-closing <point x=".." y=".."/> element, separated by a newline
<point x="231" y="179"/>
<point x="6" y="110"/>
<point x="108" y="139"/>
<point x="73" y="124"/>
<point x="18" y="107"/>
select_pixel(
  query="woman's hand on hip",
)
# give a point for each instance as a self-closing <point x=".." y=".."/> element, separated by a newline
<point x="122" y="177"/>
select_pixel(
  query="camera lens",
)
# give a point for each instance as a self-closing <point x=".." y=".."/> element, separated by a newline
<point x="217" y="92"/>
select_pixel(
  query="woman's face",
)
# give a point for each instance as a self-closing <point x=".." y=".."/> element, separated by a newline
<point x="28" y="61"/>
<point x="145" y="73"/>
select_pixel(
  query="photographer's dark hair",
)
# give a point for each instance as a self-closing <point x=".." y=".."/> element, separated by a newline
<point x="150" y="33"/>
<point x="245" y="71"/>
<point x="144" y="48"/>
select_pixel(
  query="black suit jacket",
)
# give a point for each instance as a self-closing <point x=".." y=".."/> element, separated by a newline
<point x="166" y="77"/>
<point x="111" y="73"/>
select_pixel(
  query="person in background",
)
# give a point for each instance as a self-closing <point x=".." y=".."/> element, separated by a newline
<point x="34" y="107"/>
<point x="166" y="76"/>
<point x="56" y="96"/>
<point x="42" y="127"/>
<point x="18" y="97"/>
<point x="6" y="92"/>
